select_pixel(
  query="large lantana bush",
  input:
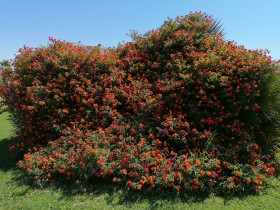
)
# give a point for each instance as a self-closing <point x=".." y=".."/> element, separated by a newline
<point x="178" y="107"/>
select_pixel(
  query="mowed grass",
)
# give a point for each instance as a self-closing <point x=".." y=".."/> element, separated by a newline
<point x="17" y="192"/>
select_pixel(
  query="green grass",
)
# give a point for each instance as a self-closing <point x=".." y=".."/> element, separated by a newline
<point x="17" y="192"/>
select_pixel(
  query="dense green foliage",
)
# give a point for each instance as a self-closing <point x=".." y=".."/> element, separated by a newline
<point x="177" y="107"/>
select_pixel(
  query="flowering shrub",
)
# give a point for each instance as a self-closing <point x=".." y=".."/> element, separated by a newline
<point x="177" y="107"/>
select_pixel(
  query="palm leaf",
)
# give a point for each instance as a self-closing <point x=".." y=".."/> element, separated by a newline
<point x="217" y="28"/>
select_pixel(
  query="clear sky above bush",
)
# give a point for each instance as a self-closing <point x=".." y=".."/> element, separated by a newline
<point x="252" y="23"/>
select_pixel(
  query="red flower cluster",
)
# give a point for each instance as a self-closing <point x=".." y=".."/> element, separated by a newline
<point x="177" y="107"/>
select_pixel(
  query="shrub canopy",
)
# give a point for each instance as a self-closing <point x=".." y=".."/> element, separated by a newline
<point x="177" y="107"/>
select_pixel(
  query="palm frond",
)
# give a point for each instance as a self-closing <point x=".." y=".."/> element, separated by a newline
<point x="217" y="28"/>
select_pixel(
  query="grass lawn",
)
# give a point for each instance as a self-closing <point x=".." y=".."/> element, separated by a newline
<point x="17" y="193"/>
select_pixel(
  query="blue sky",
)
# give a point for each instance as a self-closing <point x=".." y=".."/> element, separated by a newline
<point x="252" y="23"/>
